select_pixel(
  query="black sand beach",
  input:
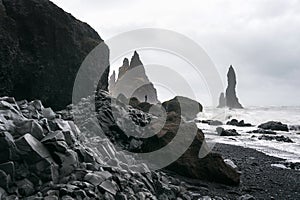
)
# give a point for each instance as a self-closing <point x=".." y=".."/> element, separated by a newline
<point x="258" y="177"/>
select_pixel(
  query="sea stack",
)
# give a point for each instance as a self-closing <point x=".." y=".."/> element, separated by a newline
<point x="230" y="99"/>
<point x="132" y="81"/>
<point x="222" y="100"/>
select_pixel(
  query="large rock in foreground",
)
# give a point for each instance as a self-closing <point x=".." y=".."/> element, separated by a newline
<point x="42" y="45"/>
<point x="210" y="166"/>
<point x="65" y="163"/>
<point x="183" y="106"/>
<point x="118" y="126"/>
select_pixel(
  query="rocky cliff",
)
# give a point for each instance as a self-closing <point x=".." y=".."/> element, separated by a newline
<point x="133" y="82"/>
<point x="41" y="45"/>
<point x="230" y="100"/>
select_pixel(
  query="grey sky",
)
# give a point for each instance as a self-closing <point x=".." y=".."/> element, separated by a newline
<point x="260" y="38"/>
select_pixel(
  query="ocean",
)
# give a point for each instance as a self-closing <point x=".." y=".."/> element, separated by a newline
<point x="289" y="115"/>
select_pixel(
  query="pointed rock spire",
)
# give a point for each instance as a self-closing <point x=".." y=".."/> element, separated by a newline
<point x="123" y="68"/>
<point x="136" y="80"/>
<point x="230" y="100"/>
<point x="135" y="60"/>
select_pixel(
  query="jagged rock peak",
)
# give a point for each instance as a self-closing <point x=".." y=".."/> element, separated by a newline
<point x="113" y="76"/>
<point x="126" y="62"/>
<point x="135" y="60"/>
<point x="124" y="68"/>
<point x="230" y="100"/>
<point x="231" y="77"/>
<point x="136" y="82"/>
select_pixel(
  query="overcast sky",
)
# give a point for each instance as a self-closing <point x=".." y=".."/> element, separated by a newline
<point x="260" y="38"/>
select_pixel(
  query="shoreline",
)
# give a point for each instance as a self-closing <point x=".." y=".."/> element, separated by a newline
<point x="258" y="177"/>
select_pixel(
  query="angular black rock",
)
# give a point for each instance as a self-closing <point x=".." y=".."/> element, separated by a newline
<point x="185" y="107"/>
<point x="275" y="126"/>
<point x="235" y="122"/>
<point x="231" y="132"/>
<point x="280" y="138"/>
<point x="262" y="131"/>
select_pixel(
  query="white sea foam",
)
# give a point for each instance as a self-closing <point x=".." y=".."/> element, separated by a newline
<point x="256" y="116"/>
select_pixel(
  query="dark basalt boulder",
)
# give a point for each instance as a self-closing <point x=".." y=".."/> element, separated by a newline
<point x="231" y="132"/>
<point x="42" y="45"/>
<point x="210" y="122"/>
<point x="230" y="99"/>
<point x="235" y="122"/>
<point x="273" y="125"/>
<point x="277" y="138"/>
<point x="183" y="106"/>
<point x="212" y="167"/>
<point x="262" y="131"/>
<point x="144" y="106"/>
<point x="294" y="127"/>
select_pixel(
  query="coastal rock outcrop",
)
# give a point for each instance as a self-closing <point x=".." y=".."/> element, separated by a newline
<point x="118" y="127"/>
<point x="262" y="131"/>
<point x="40" y="45"/>
<point x="132" y="81"/>
<point x="230" y="132"/>
<point x="67" y="163"/>
<point x="280" y="138"/>
<point x="183" y="106"/>
<point x="275" y="126"/>
<point x="235" y="122"/>
<point x="230" y="99"/>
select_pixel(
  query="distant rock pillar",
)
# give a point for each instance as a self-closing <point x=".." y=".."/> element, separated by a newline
<point x="230" y="99"/>
<point x="222" y="101"/>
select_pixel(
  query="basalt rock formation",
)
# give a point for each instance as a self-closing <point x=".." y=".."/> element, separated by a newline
<point x="183" y="106"/>
<point x="133" y="82"/>
<point x="40" y="45"/>
<point x="45" y="155"/>
<point x="230" y="100"/>
<point x="126" y="127"/>
<point x="222" y="100"/>
<point x="274" y="125"/>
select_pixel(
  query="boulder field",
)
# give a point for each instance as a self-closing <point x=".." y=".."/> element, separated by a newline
<point x="45" y="155"/>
